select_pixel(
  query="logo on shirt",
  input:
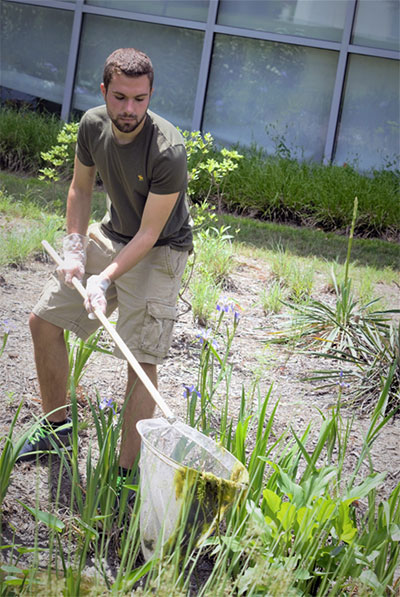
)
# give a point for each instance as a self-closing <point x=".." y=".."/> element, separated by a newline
<point x="140" y="177"/>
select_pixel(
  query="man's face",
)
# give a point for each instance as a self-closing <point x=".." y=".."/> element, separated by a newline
<point x="127" y="100"/>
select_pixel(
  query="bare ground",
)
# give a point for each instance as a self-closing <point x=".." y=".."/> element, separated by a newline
<point x="252" y="358"/>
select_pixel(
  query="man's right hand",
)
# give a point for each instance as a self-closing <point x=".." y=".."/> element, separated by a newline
<point x="73" y="265"/>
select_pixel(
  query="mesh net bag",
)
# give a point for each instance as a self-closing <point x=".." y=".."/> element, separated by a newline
<point x="187" y="483"/>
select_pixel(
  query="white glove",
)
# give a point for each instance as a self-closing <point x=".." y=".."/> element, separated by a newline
<point x="73" y="265"/>
<point x="96" y="287"/>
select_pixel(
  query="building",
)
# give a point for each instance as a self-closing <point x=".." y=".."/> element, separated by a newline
<point x="316" y="78"/>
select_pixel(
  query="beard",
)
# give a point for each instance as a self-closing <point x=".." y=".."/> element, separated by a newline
<point x="127" y="127"/>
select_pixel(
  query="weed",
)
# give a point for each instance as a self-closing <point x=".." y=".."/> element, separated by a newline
<point x="214" y="252"/>
<point x="79" y="352"/>
<point x="271" y="298"/>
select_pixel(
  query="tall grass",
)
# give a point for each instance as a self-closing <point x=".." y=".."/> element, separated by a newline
<point x="310" y="194"/>
<point x="23" y="136"/>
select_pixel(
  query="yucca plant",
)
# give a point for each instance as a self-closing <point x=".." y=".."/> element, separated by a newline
<point x="336" y="327"/>
<point x="350" y="332"/>
<point x="376" y="353"/>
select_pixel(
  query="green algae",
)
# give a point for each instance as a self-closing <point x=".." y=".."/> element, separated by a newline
<point x="205" y="499"/>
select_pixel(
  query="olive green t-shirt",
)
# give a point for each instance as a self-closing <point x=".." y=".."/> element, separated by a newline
<point x="154" y="161"/>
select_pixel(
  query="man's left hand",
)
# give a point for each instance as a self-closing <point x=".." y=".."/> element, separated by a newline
<point x="96" y="288"/>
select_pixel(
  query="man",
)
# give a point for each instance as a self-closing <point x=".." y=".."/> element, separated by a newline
<point x="134" y="259"/>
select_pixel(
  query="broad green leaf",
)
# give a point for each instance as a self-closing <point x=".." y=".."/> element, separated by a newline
<point x="316" y="485"/>
<point x="134" y="576"/>
<point x="10" y="569"/>
<point x="348" y="532"/>
<point x="287" y="515"/>
<point x="13" y="581"/>
<point x="394" y="532"/>
<point x="370" y="483"/>
<point x="232" y="544"/>
<point x="306" y="523"/>
<point x="344" y="526"/>
<point x="374" y="539"/>
<point x="29" y="549"/>
<point x="373" y="555"/>
<point x="369" y="578"/>
<point x="290" y="488"/>
<point x="88" y="528"/>
<point x="271" y="524"/>
<point x="272" y="500"/>
<point x="302" y="574"/>
<point x="324" y="509"/>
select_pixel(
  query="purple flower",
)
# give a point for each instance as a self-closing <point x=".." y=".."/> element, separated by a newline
<point x="7" y="326"/>
<point x="223" y="307"/>
<point x="108" y="403"/>
<point x="341" y="383"/>
<point x="206" y="337"/>
<point x="236" y="314"/>
<point x="189" y="390"/>
<point x="227" y="306"/>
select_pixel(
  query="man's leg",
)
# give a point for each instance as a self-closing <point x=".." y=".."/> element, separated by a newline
<point x="140" y="405"/>
<point x="52" y="366"/>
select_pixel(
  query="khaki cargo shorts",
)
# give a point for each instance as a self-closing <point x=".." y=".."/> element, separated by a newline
<point x="146" y="298"/>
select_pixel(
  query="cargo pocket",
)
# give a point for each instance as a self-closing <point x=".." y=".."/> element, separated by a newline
<point x="157" y="328"/>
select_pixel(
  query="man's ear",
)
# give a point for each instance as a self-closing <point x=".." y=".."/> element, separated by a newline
<point x="103" y="90"/>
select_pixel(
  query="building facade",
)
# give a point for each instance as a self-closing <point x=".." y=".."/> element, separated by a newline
<point x="315" y="79"/>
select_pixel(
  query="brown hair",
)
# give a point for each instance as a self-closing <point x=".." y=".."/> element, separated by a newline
<point x="129" y="62"/>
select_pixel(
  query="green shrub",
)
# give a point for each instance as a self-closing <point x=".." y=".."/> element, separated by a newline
<point x="23" y="136"/>
<point x="61" y="156"/>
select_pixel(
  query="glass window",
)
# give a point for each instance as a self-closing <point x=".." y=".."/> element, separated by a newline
<point x="321" y="19"/>
<point x="268" y="93"/>
<point x="34" y="48"/>
<point x="377" y="24"/>
<point x="174" y="52"/>
<point x="369" y="126"/>
<point x="194" y="10"/>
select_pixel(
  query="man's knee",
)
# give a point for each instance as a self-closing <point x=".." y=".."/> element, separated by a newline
<point x="40" y="328"/>
<point x="149" y="369"/>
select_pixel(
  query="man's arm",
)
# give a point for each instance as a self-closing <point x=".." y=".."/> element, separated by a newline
<point x="155" y="215"/>
<point x="78" y="213"/>
<point x="80" y="198"/>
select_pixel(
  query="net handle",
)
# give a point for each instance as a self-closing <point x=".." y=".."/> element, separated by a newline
<point x="133" y="362"/>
